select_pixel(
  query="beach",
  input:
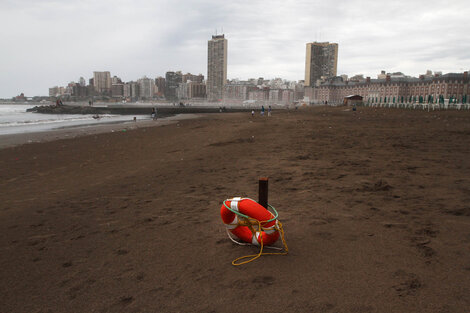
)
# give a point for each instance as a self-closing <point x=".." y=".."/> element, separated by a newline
<point x="374" y="205"/>
<point x="124" y="124"/>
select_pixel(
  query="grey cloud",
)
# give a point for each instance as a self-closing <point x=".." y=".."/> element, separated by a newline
<point x="47" y="43"/>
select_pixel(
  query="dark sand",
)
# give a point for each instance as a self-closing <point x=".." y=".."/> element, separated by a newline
<point x="375" y="205"/>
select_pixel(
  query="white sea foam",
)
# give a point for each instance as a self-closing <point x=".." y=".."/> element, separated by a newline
<point x="14" y="120"/>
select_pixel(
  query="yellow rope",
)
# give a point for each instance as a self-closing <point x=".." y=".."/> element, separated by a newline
<point x="260" y="228"/>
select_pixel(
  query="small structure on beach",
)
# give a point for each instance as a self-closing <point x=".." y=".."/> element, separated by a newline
<point x="353" y="100"/>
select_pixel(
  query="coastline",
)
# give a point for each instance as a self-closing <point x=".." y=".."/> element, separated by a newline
<point x="68" y="132"/>
<point x="129" y="109"/>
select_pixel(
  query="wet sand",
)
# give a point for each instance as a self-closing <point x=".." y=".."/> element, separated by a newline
<point x="12" y="140"/>
<point x="375" y="206"/>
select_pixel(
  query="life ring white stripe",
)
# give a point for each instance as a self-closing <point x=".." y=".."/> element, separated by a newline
<point x="234" y="203"/>
<point x="254" y="239"/>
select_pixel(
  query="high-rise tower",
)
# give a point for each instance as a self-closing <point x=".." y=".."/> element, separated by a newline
<point x="321" y="60"/>
<point x="172" y="81"/>
<point x="102" y="82"/>
<point x="216" y="67"/>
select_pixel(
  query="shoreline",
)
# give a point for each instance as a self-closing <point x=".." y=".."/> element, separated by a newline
<point x="69" y="132"/>
<point x="121" y="109"/>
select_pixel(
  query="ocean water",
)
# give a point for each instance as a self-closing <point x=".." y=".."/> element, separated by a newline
<point x="15" y="120"/>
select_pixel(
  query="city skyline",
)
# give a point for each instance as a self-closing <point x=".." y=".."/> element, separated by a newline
<point x="46" y="44"/>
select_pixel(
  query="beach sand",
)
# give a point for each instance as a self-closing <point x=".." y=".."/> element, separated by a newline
<point x="12" y="140"/>
<point x="375" y="206"/>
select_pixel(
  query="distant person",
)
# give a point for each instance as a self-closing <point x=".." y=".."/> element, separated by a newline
<point x="154" y="114"/>
<point x="89" y="103"/>
<point x="269" y="110"/>
<point x="262" y="110"/>
<point x="252" y="113"/>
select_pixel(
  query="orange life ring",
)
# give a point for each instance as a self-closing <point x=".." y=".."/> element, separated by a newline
<point x="254" y="210"/>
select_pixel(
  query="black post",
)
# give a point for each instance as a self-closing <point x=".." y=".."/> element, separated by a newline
<point x="263" y="192"/>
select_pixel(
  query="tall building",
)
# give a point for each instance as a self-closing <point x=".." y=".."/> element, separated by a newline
<point x="102" y="82"/>
<point x="54" y="91"/>
<point x="117" y="90"/>
<point x="116" y="80"/>
<point x="79" y="90"/>
<point x="196" y="90"/>
<point x="147" y="87"/>
<point x="321" y="61"/>
<point x="194" y="78"/>
<point x="172" y="80"/>
<point x="82" y="81"/>
<point x="182" y="91"/>
<point x="216" y="67"/>
<point x="160" y="85"/>
<point x="132" y="91"/>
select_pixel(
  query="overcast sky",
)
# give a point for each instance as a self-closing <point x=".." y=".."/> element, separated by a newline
<point x="45" y="43"/>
